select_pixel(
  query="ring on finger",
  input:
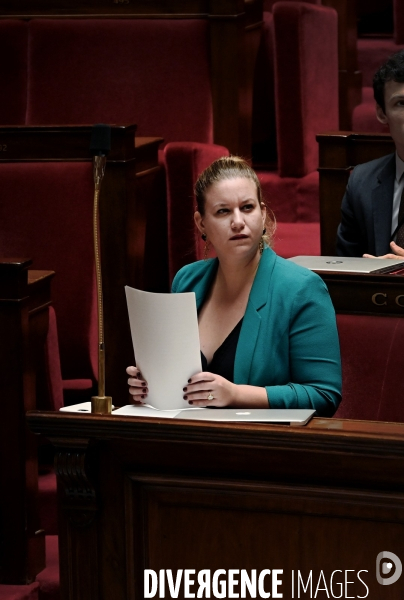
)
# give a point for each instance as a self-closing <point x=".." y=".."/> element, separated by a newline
<point x="210" y="397"/>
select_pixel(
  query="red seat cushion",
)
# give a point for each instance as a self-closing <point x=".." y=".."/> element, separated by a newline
<point x="296" y="239"/>
<point x="154" y="73"/>
<point x="291" y="199"/>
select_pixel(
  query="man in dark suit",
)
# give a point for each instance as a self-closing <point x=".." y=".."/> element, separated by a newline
<point x="372" y="222"/>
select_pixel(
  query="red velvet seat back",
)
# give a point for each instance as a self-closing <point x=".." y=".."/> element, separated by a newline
<point x="13" y="71"/>
<point x="46" y="214"/>
<point x="306" y="82"/>
<point x="153" y="73"/>
<point x="372" y="367"/>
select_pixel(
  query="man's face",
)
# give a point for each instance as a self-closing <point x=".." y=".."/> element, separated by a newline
<point x="394" y="113"/>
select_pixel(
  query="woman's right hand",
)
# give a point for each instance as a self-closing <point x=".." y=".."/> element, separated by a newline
<point x="137" y="385"/>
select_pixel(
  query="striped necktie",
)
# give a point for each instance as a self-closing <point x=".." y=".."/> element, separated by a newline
<point x="400" y="231"/>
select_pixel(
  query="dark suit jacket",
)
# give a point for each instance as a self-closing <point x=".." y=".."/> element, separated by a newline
<point x="367" y="209"/>
<point x="288" y="341"/>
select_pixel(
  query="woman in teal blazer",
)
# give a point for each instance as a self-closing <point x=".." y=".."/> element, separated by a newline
<point x="288" y="340"/>
<point x="270" y="322"/>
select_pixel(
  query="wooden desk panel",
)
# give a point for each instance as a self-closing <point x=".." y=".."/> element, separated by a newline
<point x="361" y="294"/>
<point x="161" y="494"/>
<point x="24" y="301"/>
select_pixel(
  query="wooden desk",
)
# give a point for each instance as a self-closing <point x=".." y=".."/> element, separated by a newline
<point x="339" y="153"/>
<point x="158" y="494"/>
<point x="24" y="300"/>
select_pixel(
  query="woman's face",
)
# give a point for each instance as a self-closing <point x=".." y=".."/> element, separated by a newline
<point x="233" y="219"/>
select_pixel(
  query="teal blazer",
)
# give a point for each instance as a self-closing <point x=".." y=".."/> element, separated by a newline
<point x="288" y="341"/>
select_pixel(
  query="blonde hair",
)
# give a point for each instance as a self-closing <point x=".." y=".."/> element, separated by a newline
<point x="232" y="167"/>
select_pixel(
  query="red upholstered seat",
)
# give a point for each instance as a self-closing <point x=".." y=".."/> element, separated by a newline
<point x="46" y="213"/>
<point x="371" y="351"/>
<point x="306" y="82"/>
<point x="296" y="239"/>
<point x="373" y="52"/>
<point x="292" y="199"/>
<point x="306" y="94"/>
<point x="263" y="126"/>
<point x="63" y="391"/>
<point x="154" y="73"/>
<point x="19" y="592"/>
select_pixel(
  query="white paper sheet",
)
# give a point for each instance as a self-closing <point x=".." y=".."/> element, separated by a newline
<point x="165" y="339"/>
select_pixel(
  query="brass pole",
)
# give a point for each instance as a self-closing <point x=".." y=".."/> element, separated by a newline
<point x="101" y="404"/>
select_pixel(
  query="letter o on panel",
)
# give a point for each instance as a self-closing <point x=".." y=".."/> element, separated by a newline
<point x="400" y="300"/>
<point x="376" y="299"/>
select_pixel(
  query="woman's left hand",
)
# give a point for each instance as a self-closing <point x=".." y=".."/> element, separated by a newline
<point x="205" y="384"/>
